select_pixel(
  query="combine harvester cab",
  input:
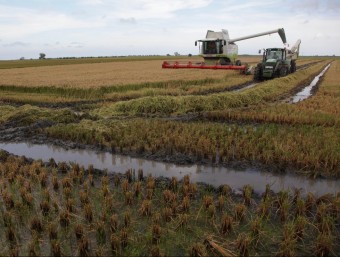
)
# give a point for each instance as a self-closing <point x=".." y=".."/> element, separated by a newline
<point x="220" y="52"/>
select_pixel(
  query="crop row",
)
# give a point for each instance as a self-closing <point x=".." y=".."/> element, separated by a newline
<point x="63" y="209"/>
<point x="52" y="94"/>
<point x="26" y="115"/>
<point x="322" y="109"/>
<point x="310" y="148"/>
<point x="268" y="91"/>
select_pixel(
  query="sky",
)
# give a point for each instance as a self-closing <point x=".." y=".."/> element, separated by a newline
<point x="82" y="28"/>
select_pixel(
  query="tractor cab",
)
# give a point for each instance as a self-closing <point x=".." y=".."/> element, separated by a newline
<point x="274" y="54"/>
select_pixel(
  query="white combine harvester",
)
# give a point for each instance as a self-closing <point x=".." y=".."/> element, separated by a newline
<point x="220" y="52"/>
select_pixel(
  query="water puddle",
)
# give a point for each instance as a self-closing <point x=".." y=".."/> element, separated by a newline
<point x="215" y="176"/>
<point x="307" y="91"/>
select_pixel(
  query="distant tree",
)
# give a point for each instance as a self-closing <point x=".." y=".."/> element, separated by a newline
<point x="22" y="58"/>
<point x="168" y="55"/>
<point x="189" y="55"/>
<point x="176" y="54"/>
<point x="42" y="56"/>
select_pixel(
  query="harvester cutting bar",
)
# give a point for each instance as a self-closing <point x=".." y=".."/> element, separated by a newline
<point x="190" y="65"/>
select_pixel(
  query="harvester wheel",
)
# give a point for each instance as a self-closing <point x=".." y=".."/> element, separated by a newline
<point x="238" y="63"/>
<point x="258" y="72"/>
<point x="224" y="61"/>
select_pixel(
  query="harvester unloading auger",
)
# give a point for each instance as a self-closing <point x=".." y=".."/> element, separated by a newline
<point x="220" y="52"/>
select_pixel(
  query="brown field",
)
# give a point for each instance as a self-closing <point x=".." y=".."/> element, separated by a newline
<point x="105" y="74"/>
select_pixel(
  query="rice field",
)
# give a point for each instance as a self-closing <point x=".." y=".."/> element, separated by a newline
<point x="96" y="75"/>
<point x="133" y="107"/>
<point x="57" y="209"/>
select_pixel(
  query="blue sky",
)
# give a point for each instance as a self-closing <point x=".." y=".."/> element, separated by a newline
<point x="62" y="28"/>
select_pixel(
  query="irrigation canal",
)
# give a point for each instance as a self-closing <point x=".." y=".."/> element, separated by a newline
<point x="215" y="176"/>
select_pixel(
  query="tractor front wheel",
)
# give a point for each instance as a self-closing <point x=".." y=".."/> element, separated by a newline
<point x="258" y="72"/>
<point x="283" y="71"/>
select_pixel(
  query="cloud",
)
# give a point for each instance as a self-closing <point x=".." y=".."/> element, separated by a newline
<point x="76" y="45"/>
<point x="19" y="22"/>
<point x="16" y="44"/>
<point x="321" y="36"/>
<point x="88" y="27"/>
<point x="92" y="2"/>
<point x="333" y="5"/>
<point x="130" y="20"/>
<point x="316" y="7"/>
<point x="238" y="7"/>
<point x="152" y="9"/>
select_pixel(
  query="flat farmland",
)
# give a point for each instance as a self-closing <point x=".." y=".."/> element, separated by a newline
<point x="100" y="74"/>
<point x="222" y="120"/>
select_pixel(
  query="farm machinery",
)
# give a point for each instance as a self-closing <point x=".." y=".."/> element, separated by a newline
<point x="220" y="52"/>
<point x="277" y="62"/>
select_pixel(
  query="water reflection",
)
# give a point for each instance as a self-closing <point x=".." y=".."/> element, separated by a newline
<point x="198" y="173"/>
<point x="307" y="91"/>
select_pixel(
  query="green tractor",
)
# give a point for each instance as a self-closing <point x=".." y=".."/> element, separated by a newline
<point x="277" y="62"/>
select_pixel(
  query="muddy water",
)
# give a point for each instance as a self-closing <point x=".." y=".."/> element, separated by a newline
<point x="198" y="173"/>
<point x="308" y="90"/>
